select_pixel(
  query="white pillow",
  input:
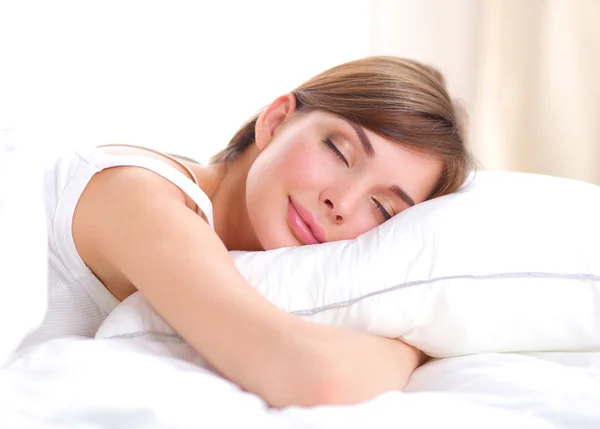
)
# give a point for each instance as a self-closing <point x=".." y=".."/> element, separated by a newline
<point x="509" y="263"/>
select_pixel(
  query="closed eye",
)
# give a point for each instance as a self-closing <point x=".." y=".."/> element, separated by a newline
<point x="327" y="142"/>
<point x="384" y="213"/>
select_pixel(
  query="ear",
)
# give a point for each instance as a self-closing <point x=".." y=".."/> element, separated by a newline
<point x="272" y="117"/>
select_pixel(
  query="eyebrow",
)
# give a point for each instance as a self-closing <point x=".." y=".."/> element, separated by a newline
<point x="403" y="195"/>
<point x="364" y="140"/>
<point x="368" y="148"/>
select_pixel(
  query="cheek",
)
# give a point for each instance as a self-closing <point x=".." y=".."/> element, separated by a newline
<point x="298" y="169"/>
<point x="305" y="166"/>
<point x="271" y="179"/>
<point x="361" y="222"/>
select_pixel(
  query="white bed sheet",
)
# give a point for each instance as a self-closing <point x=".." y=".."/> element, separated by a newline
<point x="148" y="382"/>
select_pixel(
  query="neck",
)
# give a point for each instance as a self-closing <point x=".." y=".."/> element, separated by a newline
<point x="225" y="185"/>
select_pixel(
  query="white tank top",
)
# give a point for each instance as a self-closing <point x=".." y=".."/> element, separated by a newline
<point x="77" y="301"/>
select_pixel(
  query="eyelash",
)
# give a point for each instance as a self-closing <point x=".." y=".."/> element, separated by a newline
<point x="327" y="142"/>
<point x="381" y="210"/>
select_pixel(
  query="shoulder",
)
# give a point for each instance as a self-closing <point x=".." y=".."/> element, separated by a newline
<point x="121" y="197"/>
<point x="126" y="199"/>
<point x="129" y="219"/>
<point x="132" y="197"/>
<point x="205" y="177"/>
<point x="124" y="184"/>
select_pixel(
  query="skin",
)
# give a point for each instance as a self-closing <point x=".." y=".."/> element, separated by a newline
<point x="137" y="231"/>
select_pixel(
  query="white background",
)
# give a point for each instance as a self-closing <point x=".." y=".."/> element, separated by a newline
<point x="180" y="76"/>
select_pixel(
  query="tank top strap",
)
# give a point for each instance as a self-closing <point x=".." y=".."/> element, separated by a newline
<point x="103" y="160"/>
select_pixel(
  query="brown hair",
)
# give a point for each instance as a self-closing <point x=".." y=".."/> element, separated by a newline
<point x="399" y="99"/>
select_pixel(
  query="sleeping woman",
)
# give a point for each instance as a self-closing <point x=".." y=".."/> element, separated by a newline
<point x="334" y="158"/>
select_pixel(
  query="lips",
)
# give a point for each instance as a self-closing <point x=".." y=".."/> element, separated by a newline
<point x="304" y="225"/>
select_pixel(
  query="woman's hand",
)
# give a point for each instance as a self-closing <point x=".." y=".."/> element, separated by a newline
<point x="137" y="224"/>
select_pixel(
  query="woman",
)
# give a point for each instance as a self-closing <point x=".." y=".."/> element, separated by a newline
<point x="334" y="158"/>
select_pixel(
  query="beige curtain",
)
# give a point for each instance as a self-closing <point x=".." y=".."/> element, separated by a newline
<point x="528" y="72"/>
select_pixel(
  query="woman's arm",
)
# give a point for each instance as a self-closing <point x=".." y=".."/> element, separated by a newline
<point x="137" y="222"/>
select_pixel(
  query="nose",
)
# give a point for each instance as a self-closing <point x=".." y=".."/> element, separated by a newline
<point x="336" y="216"/>
<point x="340" y="203"/>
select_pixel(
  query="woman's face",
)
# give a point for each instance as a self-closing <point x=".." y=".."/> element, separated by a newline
<point x="319" y="178"/>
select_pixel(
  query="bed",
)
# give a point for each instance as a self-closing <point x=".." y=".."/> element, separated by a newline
<point x="499" y="283"/>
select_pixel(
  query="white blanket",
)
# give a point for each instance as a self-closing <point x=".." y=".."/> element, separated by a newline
<point x="148" y="382"/>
